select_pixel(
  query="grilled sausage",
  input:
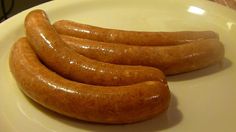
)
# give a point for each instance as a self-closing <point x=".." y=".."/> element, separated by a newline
<point x="130" y="37"/>
<point x="170" y="59"/>
<point x="56" y="55"/>
<point x="103" y="104"/>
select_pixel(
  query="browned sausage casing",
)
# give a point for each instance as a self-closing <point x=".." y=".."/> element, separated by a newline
<point x="170" y="59"/>
<point x="130" y="37"/>
<point x="59" y="57"/>
<point x="113" y="105"/>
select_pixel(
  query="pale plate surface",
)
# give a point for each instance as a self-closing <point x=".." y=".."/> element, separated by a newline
<point x="202" y="100"/>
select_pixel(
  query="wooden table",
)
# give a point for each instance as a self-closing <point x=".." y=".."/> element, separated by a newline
<point x="228" y="3"/>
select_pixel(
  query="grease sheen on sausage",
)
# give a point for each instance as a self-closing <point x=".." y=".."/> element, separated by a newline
<point x="62" y="59"/>
<point x="113" y="105"/>
<point x="170" y="59"/>
<point x="71" y="28"/>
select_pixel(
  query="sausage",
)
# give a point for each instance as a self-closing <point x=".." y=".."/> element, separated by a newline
<point x="130" y="37"/>
<point x="110" y="104"/>
<point x="170" y="59"/>
<point x="59" y="57"/>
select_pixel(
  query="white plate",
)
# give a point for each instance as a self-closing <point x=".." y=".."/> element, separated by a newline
<point x="202" y="100"/>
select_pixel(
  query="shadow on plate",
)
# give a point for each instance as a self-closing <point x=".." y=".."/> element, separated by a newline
<point x="226" y="63"/>
<point x="167" y="119"/>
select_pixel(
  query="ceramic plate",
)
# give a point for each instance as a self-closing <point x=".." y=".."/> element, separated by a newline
<point x="202" y="100"/>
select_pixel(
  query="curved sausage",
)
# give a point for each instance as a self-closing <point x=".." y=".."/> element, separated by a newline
<point x="170" y="59"/>
<point x="59" y="57"/>
<point x="130" y="37"/>
<point x="113" y="105"/>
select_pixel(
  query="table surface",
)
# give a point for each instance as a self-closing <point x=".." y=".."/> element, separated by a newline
<point x="228" y="3"/>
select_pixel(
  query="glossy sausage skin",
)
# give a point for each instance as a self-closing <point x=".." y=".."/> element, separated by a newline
<point x="59" y="57"/>
<point x="170" y="59"/>
<point x="130" y="37"/>
<point x="113" y="105"/>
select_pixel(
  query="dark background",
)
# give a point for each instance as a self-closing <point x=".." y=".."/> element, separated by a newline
<point x="9" y="8"/>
